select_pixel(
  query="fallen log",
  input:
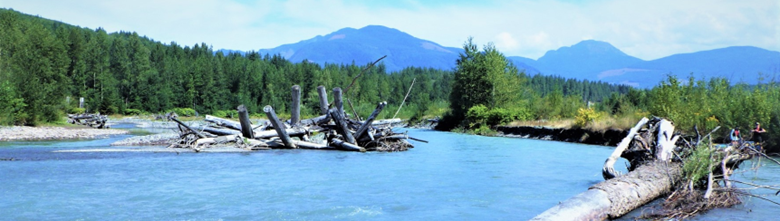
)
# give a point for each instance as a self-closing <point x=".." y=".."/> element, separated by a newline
<point x="362" y="129"/>
<point x="341" y="125"/>
<point x="199" y="134"/>
<point x="616" y="197"/>
<point x="278" y="126"/>
<point x="346" y="146"/>
<point x="223" y="122"/>
<point x="608" y="171"/>
<point x="332" y="131"/>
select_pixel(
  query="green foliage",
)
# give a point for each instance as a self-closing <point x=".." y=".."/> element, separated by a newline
<point x="483" y="130"/>
<point x="11" y="105"/>
<point x="225" y="113"/>
<point x="136" y="112"/>
<point x="696" y="166"/>
<point x="184" y="112"/>
<point x="77" y="110"/>
<point x="480" y="116"/>
<point x="483" y="78"/>
<point x="586" y="116"/>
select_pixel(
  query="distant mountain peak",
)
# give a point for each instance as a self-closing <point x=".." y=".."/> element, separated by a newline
<point x="366" y="44"/>
<point x="586" y="47"/>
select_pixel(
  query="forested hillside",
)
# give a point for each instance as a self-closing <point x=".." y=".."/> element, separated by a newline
<point x="43" y="62"/>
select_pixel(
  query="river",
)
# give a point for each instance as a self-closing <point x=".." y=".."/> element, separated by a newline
<point x="454" y="177"/>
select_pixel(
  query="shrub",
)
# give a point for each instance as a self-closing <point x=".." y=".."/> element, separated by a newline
<point x="225" y="113"/>
<point x="77" y="110"/>
<point x="130" y="111"/>
<point x="499" y="116"/>
<point x="185" y="112"/>
<point x="696" y="166"/>
<point x="586" y="116"/>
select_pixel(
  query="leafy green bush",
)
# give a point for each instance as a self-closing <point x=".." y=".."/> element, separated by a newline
<point x="696" y="166"/>
<point x="184" y="112"/>
<point x="130" y="111"/>
<point x="586" y="116"/>
<point x="225" y="113"/>
<point x="477" y="113"/>
<point x="499" y="116"/>
<point x="77" y="110"/>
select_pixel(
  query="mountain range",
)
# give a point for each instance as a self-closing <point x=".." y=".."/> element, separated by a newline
<point x="587" y="60"/>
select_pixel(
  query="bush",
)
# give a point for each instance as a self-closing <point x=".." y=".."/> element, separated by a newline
<point x="184" y="112"/>
<point x="696" y="166"/>
<point x="77" y="110"/>
<point x="225" y="113"/>
<point x="499" y="116"/>
<point x="477" y="116"/>
<point x="484" y="130"/>
<point x="586" y="116"/>
<point x="130" y="111"/>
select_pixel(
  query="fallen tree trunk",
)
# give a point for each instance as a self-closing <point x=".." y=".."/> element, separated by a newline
<point x="616" y="197"/>
<point x="223" y="122"/>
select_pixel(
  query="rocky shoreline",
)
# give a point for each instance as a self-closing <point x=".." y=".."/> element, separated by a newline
<point x="24" y="133"/>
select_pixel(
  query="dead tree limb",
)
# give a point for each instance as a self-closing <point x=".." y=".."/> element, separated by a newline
<point x="608" y="171"/>
<point x="363" y="128"/>
<point x="278" y="126"/>
<point x="323" y="95"/>
<point x="295" y="107"/>
<point x="341" y="125"/>
<point x="407" y="95"/>
<point x="200" y="135"/>
<point x="246" y="125"/>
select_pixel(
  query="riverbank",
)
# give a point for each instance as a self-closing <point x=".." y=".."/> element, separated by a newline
<point x="21" y="133"/>
<point x="610" y="137"/>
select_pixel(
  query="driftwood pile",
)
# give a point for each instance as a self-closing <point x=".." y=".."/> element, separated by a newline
<point x="333" y="130"/>
<point x="91" y="120"/>
<point x="656" y="155"/>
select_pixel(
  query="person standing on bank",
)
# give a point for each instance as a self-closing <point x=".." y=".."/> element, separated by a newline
<point x="758" y="132"/>
<point x="735" y="136"/>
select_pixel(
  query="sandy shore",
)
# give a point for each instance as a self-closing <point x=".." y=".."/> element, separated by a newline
<point x="16" y="133"/>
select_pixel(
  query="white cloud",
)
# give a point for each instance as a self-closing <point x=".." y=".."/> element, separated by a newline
<point x="505" y="40"/>
<point x="647" y="29"/>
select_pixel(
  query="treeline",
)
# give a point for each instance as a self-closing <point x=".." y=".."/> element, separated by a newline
<point x="45" y="62"/>
<point x="707" y="104"/>
<point x="485" y="94"/>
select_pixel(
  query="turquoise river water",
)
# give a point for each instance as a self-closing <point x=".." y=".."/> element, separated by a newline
<point x="454" y="177"/>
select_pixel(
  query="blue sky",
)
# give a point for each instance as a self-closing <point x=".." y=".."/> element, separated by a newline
<point x="642" y="28"/>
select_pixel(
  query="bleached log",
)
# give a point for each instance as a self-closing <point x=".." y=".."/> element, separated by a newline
<point x="323" y="99"/>
<point x="246" y="125"/>
<point x="220" y="132"/>
<point x="341" y="125"/>
<point x="215" y="140"/>
<point x="278" y="126"/>
<point x="338" y="101"/>
<point x="347" y="146"/>
<point x="315" y="121"/>
<point x="666" y="140"/>
<point x="223" y="122"/>
<point x="292" y="132"/>
<point x="386" y="121"/>
<point x="608" y="171"/>
<point x="310" y="145"/>
<point x="200" y="135"/>
<point x="295" y="107"/>
<point x="362" y="129"/>
<point x="616" y="197"/>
